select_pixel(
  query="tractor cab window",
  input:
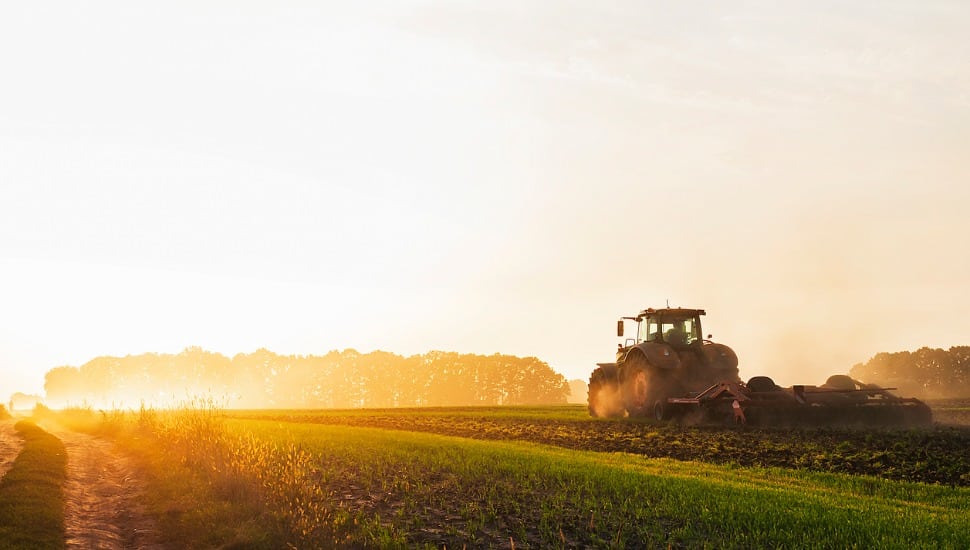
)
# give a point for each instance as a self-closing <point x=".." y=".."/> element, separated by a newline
<point x="649" y="330"/>
<point x="680" y="332"/>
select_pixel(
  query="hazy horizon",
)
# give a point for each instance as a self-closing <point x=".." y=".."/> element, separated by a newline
<point x="482" y="178"/>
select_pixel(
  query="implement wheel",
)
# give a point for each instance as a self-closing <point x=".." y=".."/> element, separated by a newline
<point x="762" y="384"/>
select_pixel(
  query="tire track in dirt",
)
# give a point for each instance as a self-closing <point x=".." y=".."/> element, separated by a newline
<point x="102" y="498"/>
<point x="10" y="445"/>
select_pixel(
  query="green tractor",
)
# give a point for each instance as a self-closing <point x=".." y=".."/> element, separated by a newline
<point x="669" y="371"/>
<point x="669" y="357"/>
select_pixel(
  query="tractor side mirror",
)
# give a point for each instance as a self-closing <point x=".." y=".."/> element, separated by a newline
<point x="619" y="328"/>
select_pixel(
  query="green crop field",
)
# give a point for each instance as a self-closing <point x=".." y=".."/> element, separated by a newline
<point x="936" y="454"/>
<point x="537" y="478"/>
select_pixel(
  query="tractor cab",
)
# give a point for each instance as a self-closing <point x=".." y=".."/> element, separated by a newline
<point x="679" y="328"/>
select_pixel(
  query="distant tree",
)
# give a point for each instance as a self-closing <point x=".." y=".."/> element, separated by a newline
<point x="577" y="391"/>
<point x="100" y="379"/>
<point x="339" y="379"/>
<point x="926" y="372"/>
<point x="63" y="386"/>
<point x="24" y="402"/>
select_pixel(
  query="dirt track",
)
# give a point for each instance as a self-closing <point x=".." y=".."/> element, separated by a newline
<point x="10" y="445"/>
<point x="102" y="508"/>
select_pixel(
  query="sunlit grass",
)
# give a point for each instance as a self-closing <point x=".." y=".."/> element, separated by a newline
<point x="31" y="493"/>
<point x="542" y="495"/>
<point x="930" y="454"/>
<point x="265" y="484"/>
<point x="570" y="412"/>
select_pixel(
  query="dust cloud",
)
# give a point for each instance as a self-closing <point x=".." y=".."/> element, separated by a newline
<point x="606" y="402"/>
<point x="823" y="291"/>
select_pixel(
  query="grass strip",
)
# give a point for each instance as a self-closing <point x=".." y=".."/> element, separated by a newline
<point x="32" y="492"/>
<point x="933" y="454"/>
<point x="411" y="488"/>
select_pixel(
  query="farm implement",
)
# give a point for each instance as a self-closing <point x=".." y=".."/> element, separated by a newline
<point x="669" y="372"/>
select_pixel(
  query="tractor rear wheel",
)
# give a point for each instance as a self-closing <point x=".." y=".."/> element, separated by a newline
<point x="603" y="397"/>
<point x="640" y="385"/>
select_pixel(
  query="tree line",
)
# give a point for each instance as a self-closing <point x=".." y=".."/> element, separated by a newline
<point x="339" y="379"/>
<point x="926" y="372"/>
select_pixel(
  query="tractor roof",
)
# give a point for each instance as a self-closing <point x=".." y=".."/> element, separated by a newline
<point x="670" y="312"/>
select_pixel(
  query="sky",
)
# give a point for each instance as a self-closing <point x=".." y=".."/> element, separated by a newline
<point x="482" y="177"/>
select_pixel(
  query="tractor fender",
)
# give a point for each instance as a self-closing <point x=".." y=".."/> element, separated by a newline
<point x="607" y="371"/>
<point x="658" y="354"/>
<point x="719" y="356"/>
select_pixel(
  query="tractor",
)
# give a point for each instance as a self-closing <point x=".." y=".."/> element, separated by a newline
<point x="669" y="371"/>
